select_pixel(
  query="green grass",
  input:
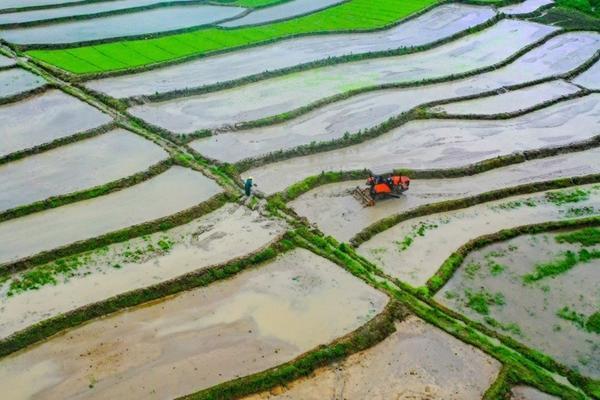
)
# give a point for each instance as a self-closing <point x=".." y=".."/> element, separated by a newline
<point x="567" y="196"/>
<point x="593" y="323"/>
<point x="571" y="315"/>
<point x="481" y="301"/>
<point x="589" y="7"/>
<point x="356" y="15"/>
<point x="585" y="237"/>
<point x="559" y="266"/>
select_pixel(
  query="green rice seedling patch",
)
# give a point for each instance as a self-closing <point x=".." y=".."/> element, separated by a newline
<point x="418" y="230"/>
<point x="585" y="237"/>
<point x="561" y="197"/>
<point x="355" y="15"/>
<point x="571" y="315"/>
<point x="593" y="323"/>
<point x="505" y="327"/>
<point x="481" y="300"/>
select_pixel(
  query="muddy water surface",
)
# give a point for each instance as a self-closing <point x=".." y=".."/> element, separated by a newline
<point x="288" y="9"/>
<point x="530" y="310"/>
<point x="557" y="56"/>
<point x="513" y="101"/>
<point x="414" y="250"/>
<point x="44" y="118"/>
<point x="233" y="328"/>
<point x="418" y="361"/>
<point x="15" y="81"/>
<point x="168" y="193"/>
<point x="436" y="24"/>
<point x="98" y="160"/>
<point x="230" y="232"/>
<point x="6" y="62"/>
<point x="161" y="19"/>
<point x="433" y="144"/>
<point x="336" y="212"/>
<point x="282" y="94"/>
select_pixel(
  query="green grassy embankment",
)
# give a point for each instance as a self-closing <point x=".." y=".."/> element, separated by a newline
<point x="355" y="15"/>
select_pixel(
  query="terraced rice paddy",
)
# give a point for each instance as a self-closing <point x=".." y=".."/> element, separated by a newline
<point x="440" y="144"/>
<point x="253" y="322"/>
<point x="98" y="160"/>
<point x="180" y="215"/>
<point x="43" y="119"/>
<point x="284" y="94"/>
<point x="162" y="19"/>
<point x="548" y="312"/>
<point x="437" y="24"/>
<point x="168" y="193"/>
<point x="413" y="250"/>
<point x="336" y="212"/>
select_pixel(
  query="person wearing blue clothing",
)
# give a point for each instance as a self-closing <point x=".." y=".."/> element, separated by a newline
<point x="248" y="186"/>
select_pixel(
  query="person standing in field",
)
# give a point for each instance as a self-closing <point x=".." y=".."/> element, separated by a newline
<point x="248" y="186"/>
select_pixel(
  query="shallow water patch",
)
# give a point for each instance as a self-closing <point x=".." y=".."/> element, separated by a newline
<point x="15" y="81"/>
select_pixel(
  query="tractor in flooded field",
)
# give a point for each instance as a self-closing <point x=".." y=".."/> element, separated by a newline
<point x="380" y="187"/>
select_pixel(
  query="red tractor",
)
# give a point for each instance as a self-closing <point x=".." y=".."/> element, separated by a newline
<point x="380" y="187"/>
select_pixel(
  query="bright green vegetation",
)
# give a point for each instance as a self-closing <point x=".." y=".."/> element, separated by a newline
<point x="418" y="230"/>
<point x="568" y="18"/>
<point x="68" y="267"/>
<point x="593" y="323"/>
<point x="482" y="300"/>
<point x="585" y="237"/>
<point x="567" y="196"/>
<point x="556" y="267"/>
<point x="590" y="7"/>
<point x="355" y="15"/>
<point x="571" y="315"/>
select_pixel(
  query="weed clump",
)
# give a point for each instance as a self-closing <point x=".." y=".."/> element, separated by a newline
<point x="561" y="197"/>
<point x="482" y="300"/>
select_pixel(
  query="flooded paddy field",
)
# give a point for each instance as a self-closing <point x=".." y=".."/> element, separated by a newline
<point x="439" y="23"/>
<point x="161" y="19"/>
<point x="557" y="56"/>
<point x="413" y="250"/>
<point x="277" y="12"/>
<point x="418" y="361"/>
<point x="15" y="81"/>
<point x="590" y="78"/>
<point x="75" y="10"/>
<point x="278" y="95"/>
<point x="513" y="101"/>
<point x="44" y="118"/>
<point x="6" y="62"/>
<point x="525" y="7"/>
<point x="258" y="319"/>
<point x="175" y="190"/>
<point x="433" y="144"/>
<point x="11" y="4"/>
<point x="98" y="160"/>
<point x="540" y="289"/>
<point x="337" y="213"/>
<point x="225" y="234"/>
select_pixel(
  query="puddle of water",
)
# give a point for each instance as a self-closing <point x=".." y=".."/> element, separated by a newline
<point x="441" y="22"/>
<point x="16" y="80"/>
<point x="282" y="94"/>
<point x="443" y="233"/>
<point x="202" y="337"/>
<point x="530" y="310"/>
<point x="529" y="393"/>
<point x="83" y="9"/>
<point x="223" y="235"/>
<point x="281" y="11"/>
<point x="370" y="109"/>
<point x="417" y="361"/>
<point x="168" y="193"/>
<point x="337" y="213"/>
<point x="525" y="7"/>
<point x="512" y="101"/>
<point x="44" y="118"/>
<point x="98" y="160"/>
<point x="161" y="19"/>
<point x="590" y="78"/>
